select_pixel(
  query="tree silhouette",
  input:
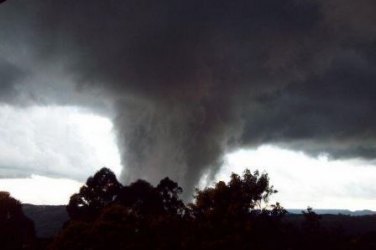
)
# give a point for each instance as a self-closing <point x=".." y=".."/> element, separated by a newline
<point x="235" y="199"/>
<point x="312" y="235"/>
<point x="144" y="200"/>
<point x="107" y="215"/>
<point x="16" y="230"/>
<point x="169" y="192"/>
<point x="137" y="216"/>
<point x="141" y="198"/>
<point x="100" y="190"/>
<point x="232" y="215"/>
<point x="311" y="223"/>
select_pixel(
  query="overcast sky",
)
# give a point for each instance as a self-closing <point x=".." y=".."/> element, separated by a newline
<point x="177" y="88"/>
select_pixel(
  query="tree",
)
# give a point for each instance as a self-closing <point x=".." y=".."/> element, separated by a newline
<point x="169" y="192"/>
<point x="144" y="199"/>
<point x="100" y="190"/>
<point x="16" y="230"/>
<point x="142" y="216"/>
<point x="235" y="199"/>
<point x="233" y="214"/>
<point x="141" y="198"/>
<point x="311" y="223"/>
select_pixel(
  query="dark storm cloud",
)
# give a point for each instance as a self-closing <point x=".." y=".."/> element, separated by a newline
<point x="333" y="112"/>
<point x="9" y="74"/>
<point x="192" y="80"/>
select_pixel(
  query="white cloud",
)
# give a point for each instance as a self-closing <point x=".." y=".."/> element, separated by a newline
<point x="46" y="153"/>
<point x="55" y="141"/>
<point x="41" y="190"/>
<point x="305" y="181"/>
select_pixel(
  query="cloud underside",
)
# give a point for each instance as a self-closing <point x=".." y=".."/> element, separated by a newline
<point x="191" y="80"/>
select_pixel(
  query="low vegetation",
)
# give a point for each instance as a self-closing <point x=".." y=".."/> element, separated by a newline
<point x="104" y="214"/>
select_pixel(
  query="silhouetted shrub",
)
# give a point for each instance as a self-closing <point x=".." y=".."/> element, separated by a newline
<point x="16" y="230"/>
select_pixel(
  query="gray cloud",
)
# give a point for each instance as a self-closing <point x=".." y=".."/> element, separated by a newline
<point x="52" y="141"/>
<point x="331" y="112"/>
<point x="9" y="75"/>
<point x="191" y="80"/>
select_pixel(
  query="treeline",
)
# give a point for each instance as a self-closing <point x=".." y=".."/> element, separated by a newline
<point x="235" y="215"/>
<point x="105" y="214"/>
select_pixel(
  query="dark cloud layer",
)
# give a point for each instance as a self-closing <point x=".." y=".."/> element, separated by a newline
<point x="192" y="80"/>
<point x="9" y="74"/>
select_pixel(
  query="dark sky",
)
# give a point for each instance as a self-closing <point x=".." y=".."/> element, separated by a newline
<point x="188" y="81"/>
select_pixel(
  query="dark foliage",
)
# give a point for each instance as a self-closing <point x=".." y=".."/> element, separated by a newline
<point x="232" y="215"/>
<point x="141" y="216"/>
<point x="99" y="191"/>
<point x="16" y="230"/>
<point x="235" y="200"/>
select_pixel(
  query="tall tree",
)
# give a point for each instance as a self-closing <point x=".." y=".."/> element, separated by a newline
<point x="169" y="192"/>
<point x="141" y="198"/>
<point x="16" y="230"/>
<point x="234" y="199"/>
<point x="100" y="190"/>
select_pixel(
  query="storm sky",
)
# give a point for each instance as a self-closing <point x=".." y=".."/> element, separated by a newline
<point x="186" y="83"/>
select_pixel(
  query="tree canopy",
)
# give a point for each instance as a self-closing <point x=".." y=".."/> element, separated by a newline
<point x="237" y="214"/>
<point x="228" y="215"/>
<point x="143" y="216"/>
<point x="16" y="230"/>
<point x="100" y="190"/>
<point x="236" y="199"/>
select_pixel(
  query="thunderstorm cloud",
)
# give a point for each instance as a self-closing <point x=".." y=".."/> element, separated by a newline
<point x="186" y="82"/>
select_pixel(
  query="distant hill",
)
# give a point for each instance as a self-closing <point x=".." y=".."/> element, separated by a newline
<point x="336" y="212"/>
<point x="350" y="225"/>
<point x="48" y="220"/>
